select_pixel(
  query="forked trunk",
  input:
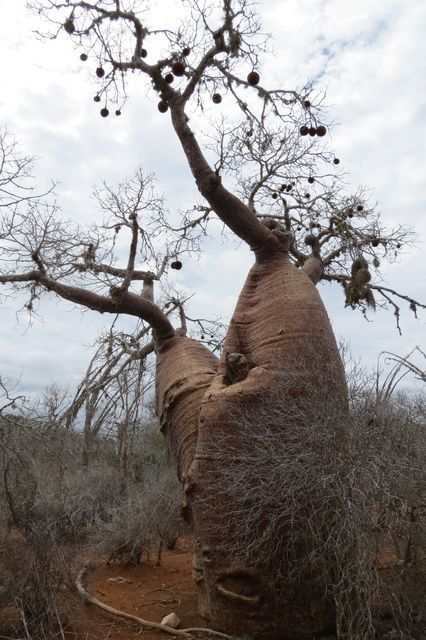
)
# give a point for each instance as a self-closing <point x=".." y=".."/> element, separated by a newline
<point x="279" y="329"/>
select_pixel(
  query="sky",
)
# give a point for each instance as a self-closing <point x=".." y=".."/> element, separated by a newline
<point x="371" y="60"/>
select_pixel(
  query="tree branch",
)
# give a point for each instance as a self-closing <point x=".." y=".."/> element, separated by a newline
<point x="132" y="254"/>
<point x="119" y="302"/>
<point x="115" y="271"/>
<point x="230" y="209"/>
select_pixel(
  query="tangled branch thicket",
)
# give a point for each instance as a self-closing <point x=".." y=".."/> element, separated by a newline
<point x="52" y="506"/>
<point x="348" y="515"/>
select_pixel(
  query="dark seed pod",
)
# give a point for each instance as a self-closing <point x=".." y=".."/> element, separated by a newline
<point x="336" y="161"/>
<point x="283" y="187"/>
<point x="360" y="207"/>
<point x="104" y="112"/>
<point x="69" y="25"/>
<point x="178" y="68"/>
<point x="304" y="130"/>
<point x="186" y="51"/>
<point x="398" y="246"/>
<point x="289" y="187"/>
<point x="306" y="104"/>
<point x="202" y="337"/>
<point x="312" y="131"/>
<point x="169" y="77"/>
<point x="299" y="228"/>
<point x="217" y="98"/>
<point x="321" y="131"/>
<point x="143" y="53"/>
<point x="83" y="57"/>
<point x="117" y="112"/>
<point x="375" y="242"/>
<point x="307" y="196"/>
<point x="97" y="98"/>
<point x="176" y="264"/>
<point x="162" y="106"/>
<point x="253" y="78"/>
<point x="311" y="180"/>
<point x="275" y="195"/>
<point x="100" y="72"/>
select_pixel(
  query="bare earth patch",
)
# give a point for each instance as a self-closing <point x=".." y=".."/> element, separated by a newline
<point x="147" y="591"/>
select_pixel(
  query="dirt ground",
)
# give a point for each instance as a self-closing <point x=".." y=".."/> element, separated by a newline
<point x="148" y="591"/>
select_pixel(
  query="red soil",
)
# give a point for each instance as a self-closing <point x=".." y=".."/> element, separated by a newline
<point x="147" y="591"/>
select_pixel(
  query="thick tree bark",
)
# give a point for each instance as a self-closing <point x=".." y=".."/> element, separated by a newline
<point x="185" y="370"/>
<point x="280" y="329"/>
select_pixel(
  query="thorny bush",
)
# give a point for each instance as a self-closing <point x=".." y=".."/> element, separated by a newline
<point x="51" y="506"/>
<point x="351" y="516"/>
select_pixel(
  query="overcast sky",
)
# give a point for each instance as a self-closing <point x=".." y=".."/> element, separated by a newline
<point x="371" y="58"/>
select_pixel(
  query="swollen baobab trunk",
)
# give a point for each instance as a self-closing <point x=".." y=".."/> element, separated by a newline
<point x="279" y="329"/>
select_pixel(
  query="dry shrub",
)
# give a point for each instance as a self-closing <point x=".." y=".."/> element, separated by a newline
<point x="307" y="509"/>
<point x="35" y="575"/>
<point x="147" y="517"/>
<point x="47" y="504"/>
<point x="51" y="505"/>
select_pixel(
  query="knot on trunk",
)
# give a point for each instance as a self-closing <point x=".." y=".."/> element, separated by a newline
<point x="209" y="182"/>
<point x="236" y="368"/>
<point x="285" y="237"/>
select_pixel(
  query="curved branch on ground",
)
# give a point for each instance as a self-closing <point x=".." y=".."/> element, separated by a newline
<point x="182" y="633"/>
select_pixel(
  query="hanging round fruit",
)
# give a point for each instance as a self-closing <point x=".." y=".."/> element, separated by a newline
<point x="100" y="72"/>
<point x="178" y="68"/>
<point x="162" y="106"/>
<point x="104" y="112"/>
<point x="217" y="98"/>
<point x="176" y="264"/>
<point x="69" y="25"/>
<point x="253" y="78"/>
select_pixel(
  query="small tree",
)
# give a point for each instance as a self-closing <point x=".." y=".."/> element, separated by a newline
<point x="298" y="237"/>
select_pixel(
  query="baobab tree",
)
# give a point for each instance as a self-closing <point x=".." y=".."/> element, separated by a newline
<point x="286" y="202"/>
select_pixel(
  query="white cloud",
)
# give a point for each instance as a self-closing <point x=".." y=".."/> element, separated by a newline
<point x="372" y="59"/>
